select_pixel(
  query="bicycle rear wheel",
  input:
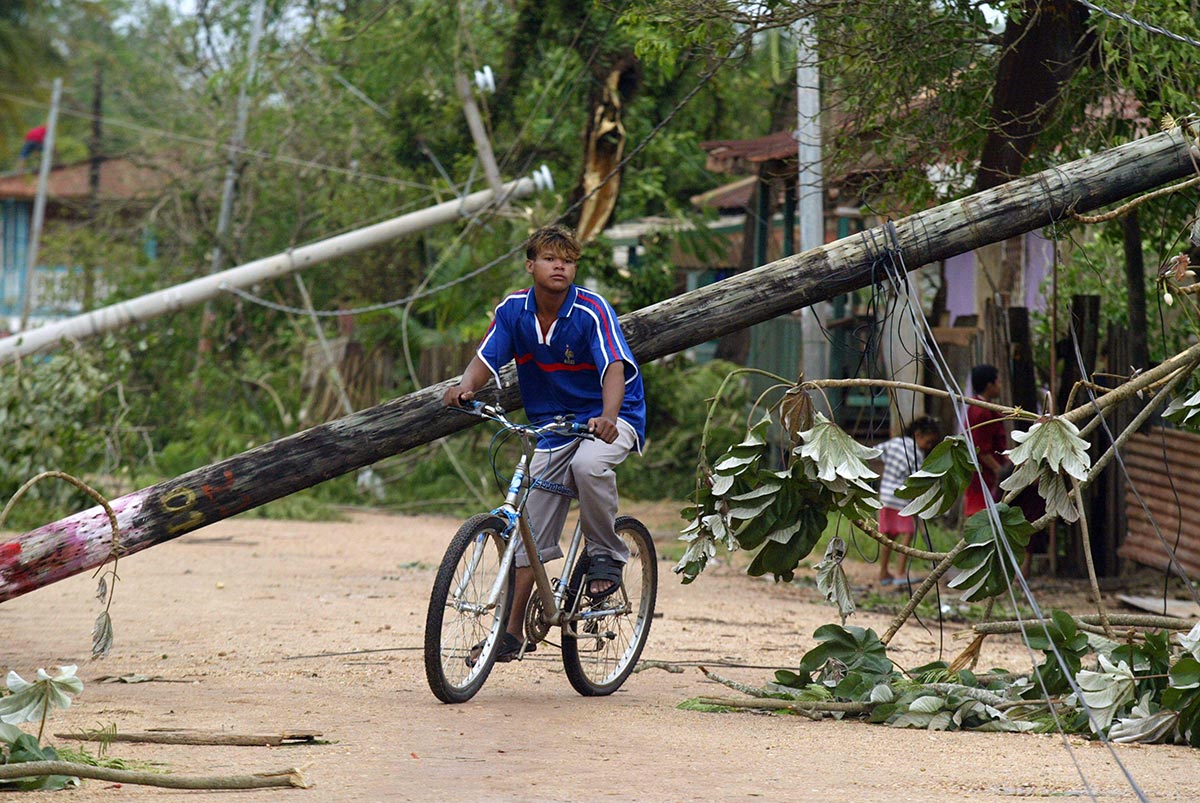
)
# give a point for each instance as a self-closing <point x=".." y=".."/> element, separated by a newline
<point x="460" y="620"/>
<point x="602" y="647"/>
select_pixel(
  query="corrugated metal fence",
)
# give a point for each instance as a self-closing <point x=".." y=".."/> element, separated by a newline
<point x="1164" y="469"/>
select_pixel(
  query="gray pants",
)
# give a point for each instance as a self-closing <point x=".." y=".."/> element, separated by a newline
<point x="587" y="468"/>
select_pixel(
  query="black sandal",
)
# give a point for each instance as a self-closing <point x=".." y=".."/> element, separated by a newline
<point x="602" y="568"/>
<point x="510" y="649"/>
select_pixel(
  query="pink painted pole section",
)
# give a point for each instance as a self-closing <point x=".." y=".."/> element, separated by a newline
<point x="69" y="546"/>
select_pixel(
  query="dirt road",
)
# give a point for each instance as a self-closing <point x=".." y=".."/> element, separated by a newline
<point x="255" y="626"/>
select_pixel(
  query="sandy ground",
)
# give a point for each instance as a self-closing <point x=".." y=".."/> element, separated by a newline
<point x="255" y="626"/>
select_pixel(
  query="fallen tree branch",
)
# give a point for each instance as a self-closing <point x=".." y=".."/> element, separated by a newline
<point x="666" y="666"/>
<point x="262" y="780"/>
<point x="1090" y="622"/>
<point x="813" y="708"/>
<point x="195" y="738"/>
<point x="753" y="691"/>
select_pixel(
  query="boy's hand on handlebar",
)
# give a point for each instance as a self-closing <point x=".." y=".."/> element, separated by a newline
<point x="603" y="428"/>
<point x="456" y="395"/>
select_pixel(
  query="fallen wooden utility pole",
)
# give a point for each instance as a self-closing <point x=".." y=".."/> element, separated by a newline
<point x="201" y="497"/>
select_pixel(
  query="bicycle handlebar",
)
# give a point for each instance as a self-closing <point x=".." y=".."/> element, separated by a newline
<point x="561" y="425"/>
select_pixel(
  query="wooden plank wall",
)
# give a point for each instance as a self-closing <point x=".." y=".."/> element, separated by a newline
<point x="1164" y="469"/>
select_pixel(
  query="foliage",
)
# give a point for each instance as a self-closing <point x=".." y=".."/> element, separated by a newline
<point x="831" y="578"/>
<point x="32" y="702"/>
<point x="940" y="481"/>
<point x="59" y="412"/>
<point x="1064" y="646"/>
<point x="25" y="748"/>
<point x="740" y="501"/>
<point x="677" y="394"/>
<point x="989" y="560"/>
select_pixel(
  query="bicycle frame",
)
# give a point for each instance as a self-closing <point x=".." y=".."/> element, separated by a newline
<point x="513" y="512"/>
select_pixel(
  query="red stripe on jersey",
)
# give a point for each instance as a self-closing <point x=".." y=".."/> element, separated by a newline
<point x="614" y="352"/>
<point x="562" y="366"/>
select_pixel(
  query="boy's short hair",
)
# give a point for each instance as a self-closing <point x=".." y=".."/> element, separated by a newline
<point x="923" y="424"/>
<point x="555" y="238"/>
<point x="982" y="376"/>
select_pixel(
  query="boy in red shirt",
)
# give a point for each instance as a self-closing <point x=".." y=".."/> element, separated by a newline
<point x="989" y="437"/>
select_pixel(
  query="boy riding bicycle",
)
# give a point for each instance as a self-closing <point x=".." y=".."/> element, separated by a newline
<point x="572" y="359"/>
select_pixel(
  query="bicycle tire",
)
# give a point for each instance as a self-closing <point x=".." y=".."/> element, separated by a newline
<point x="453" y="626"/>
<point x="597" y="665"/>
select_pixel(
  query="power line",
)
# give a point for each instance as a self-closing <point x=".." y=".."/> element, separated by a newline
<point x="207" y="143"/>
<point x="1145" y="26"/>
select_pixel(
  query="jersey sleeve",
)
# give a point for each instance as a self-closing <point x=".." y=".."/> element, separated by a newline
<point x="496" y="347"/>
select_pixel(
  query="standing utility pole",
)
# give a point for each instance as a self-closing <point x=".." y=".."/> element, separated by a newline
<point x="95" y="160"/>
<point x="810" y="194"/>
<point x="237" y="144"/>
<point x="39" y="205"/>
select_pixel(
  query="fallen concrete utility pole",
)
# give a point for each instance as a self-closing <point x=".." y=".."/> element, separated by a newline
<point x="201" y="497"/>
<point x="118" y="316"/>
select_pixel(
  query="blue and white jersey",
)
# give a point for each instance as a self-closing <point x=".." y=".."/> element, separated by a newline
<point x="560" y="371"/>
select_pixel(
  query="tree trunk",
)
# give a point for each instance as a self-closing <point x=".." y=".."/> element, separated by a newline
<point x="604" y="145"/>
<point x="1044" y="45"/>
<point x="1135" y="282"/>
<point x="170" y="509"/>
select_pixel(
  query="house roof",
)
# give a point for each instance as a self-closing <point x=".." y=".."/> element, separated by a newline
<point x="724" y="155"/>
<point x="735" y="195"/>
<point x="120" y="179"/>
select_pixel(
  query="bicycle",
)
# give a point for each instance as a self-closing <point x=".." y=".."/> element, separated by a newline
<point x="472" y="594"/>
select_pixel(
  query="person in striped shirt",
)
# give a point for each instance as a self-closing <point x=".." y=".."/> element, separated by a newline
<point x="901" y="457"/>
<point x="572" y="359"/>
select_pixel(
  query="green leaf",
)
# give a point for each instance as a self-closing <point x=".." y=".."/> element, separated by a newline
<point x="940" y="482"/>
<point x="984" y="562"/>
<point x="856" y="648"/>
<point x="31" y="702"/>
<point x="1184" y="412"/>
<point x="1105" y="691"/>
<point x="781" y="559"/>
<point x="1053" y="445"/>
<point x="1059" y="499"/>
<point x="1191" y="641"/>
<point x="25" y="749"/>
<point x="834" y="453"/>
<point x="102" y="635"/>
<point x="10" y="733"/>
<point x="831" y="578"/>
<point x="1186" y="673"/>
<point x="1146" y="724"/>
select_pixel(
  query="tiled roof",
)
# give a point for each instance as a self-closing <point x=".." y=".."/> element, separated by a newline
<point x="120" y="179"/>
<point x="780" y="145"/>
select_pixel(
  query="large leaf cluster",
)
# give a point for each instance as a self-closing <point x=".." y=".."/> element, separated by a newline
<point x="848" y="661"/>
<point x="742" y="501"/>
<point x="1050" y="451"/>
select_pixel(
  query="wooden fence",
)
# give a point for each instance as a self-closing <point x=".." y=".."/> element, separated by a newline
<point x="1164" y="490"/>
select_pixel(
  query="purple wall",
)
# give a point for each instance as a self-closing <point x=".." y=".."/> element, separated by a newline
<point x="960" y="285"/>
<point x="1039" y="261"/>
<point x="960" y="278"/>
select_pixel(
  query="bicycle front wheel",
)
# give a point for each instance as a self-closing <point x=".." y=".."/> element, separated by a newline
<point x="601" y="646"/>
<point x="463" y="627"/>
